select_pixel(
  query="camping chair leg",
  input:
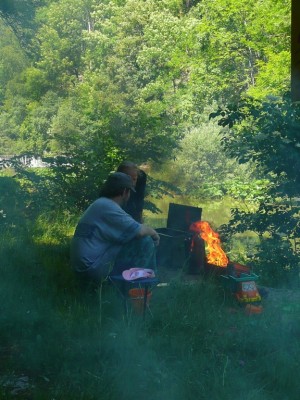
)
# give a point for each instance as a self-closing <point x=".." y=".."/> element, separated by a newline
<point x="125" y="299"/>
<point x="145" y="301"/>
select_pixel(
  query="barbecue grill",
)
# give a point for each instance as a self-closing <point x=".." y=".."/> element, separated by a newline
<point x="175" y="240"/>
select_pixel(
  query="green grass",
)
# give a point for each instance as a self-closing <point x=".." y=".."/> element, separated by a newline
<point x="60" y="342"/>
<point x="198" y="344"/>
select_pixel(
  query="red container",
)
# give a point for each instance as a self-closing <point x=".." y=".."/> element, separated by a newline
<point x="240" y="269"/>
<point x="137" y="297"/>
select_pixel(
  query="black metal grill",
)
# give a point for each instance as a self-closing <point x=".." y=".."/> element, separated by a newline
<point x="176" y="239"/>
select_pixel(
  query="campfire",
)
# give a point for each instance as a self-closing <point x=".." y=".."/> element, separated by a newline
<point x="188" y="241"/>
<point x="215" y="254"/>
<point x="237" y="277"/>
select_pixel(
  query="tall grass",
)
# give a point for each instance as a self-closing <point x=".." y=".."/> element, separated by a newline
<point x="61" y="342"/>
<point x="198" y="344"/>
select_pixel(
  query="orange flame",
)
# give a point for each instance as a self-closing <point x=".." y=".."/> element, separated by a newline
<point x="216" y="255"/>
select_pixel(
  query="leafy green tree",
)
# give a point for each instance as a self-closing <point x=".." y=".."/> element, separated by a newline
<point x="143" y="118"/>
<point x="234" y="41"/>
<point x="81" y="154"/>
<point x="35" y="130"/>
<point x="30" y="83"/>
<point x="208" y="171"/>
<point x="60" y="33"/>
<point x="12" y="115"/>
<point x="13" y="59"/>
<point x="19" y="15"/>
<point x="151" y="66"/>
<point x="273" y="77"/>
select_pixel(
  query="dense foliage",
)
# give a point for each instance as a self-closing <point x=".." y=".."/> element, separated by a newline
<point x="132" y="75"/>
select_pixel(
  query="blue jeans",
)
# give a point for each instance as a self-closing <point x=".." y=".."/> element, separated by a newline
<point x="138" y="253"/>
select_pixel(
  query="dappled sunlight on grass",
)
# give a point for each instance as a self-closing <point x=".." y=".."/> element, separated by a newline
<point x="54" y="228"/>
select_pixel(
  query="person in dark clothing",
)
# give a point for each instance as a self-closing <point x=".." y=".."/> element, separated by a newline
<point x="135" y="204"/>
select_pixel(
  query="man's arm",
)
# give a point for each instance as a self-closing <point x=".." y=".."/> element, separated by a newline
<point x="148" y="231"/>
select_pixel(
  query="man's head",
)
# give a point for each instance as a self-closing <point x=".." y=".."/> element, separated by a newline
<point x="129" y="168"/>
<point x="117" y="185"/>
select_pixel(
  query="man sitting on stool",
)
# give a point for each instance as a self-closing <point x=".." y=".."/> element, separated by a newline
<point x="107" y="240"/>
